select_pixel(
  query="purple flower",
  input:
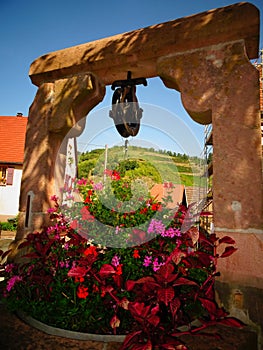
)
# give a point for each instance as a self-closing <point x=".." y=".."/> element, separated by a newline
<point x="156" y="226"/>
<point x="13" y="280"/>
<point x="147" y="261"/>
<point x="115" y="261"/>
<point x="98" y="186"/>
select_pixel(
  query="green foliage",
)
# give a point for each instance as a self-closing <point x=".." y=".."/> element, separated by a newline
<point x="10" y="225"/>
<point x="86" y="167"/>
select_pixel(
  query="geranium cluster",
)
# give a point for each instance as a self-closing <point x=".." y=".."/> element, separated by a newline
<point x="109" y="211"/>
<point x="147" y="290"/>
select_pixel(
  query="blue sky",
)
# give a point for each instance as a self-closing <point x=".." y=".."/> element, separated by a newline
<point x="31" y="28"/>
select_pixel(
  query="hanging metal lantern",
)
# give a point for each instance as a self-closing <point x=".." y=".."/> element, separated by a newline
<point x="126" y="111"/>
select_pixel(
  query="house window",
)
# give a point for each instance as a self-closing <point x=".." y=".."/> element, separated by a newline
<point x="3" y="171"/>
<point x="6" y="175"/>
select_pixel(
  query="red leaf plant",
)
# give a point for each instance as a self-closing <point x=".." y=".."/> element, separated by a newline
<point x="153" y="291"/>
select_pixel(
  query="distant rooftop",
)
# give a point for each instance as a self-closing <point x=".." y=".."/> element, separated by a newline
<point x="12" y="138"/>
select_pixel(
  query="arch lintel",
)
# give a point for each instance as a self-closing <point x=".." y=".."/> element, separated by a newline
<point x="137" y="51"/>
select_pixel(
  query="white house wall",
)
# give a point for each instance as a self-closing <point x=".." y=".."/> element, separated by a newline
<point x="9" y="196"/>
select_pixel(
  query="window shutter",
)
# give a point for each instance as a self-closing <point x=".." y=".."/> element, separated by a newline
<point x="10" y="176"/>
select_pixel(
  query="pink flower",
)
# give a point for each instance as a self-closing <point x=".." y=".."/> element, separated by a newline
<point x="156" y="265"/>
<point x="147" y="261"/>
<point x="98" y="186"/>
<point x="51" y="210"/>
<point x="156" y="226"/>
<point x="13" y="280"/>
<point x="81" y="182"/>
<point x="64" y="264"/>
<point x="9" y="267"/>
<point x="115" y="261"/>
<point x="171" y="232"/>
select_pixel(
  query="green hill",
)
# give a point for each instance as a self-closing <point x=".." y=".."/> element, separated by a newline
<point x="148" y="164"/>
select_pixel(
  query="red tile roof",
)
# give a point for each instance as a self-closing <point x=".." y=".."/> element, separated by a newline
<point x="12" y="139"/>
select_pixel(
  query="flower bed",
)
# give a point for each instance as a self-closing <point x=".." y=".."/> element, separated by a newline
<point x="102" y="268"/>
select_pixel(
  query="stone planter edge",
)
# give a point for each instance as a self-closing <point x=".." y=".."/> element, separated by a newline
<point x="106" y="338"/>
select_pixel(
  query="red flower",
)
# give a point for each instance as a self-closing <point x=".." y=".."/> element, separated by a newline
<point x="88" y="199"/>
<point x="86" y="215"/>
<point x="155" y="206"/>
<point x="168" y="185"/>
<point x="143" y="210"/>
<point x="95" y="288"/>
<point x="108" y="172"/>
<point x="115" y="175"/>
<point x="74" y="224"/>
<point x="79" y="279"/>
<point x="91" y="250"/>
<point x="103" y="292"/>
<point x="136" y="254"/>
<point x="82" y="292"/>
<point x="119" y="270"/>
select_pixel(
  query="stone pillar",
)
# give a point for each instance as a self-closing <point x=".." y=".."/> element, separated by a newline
<point x="218" y="84"/>
<point x="57" y="108"/>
